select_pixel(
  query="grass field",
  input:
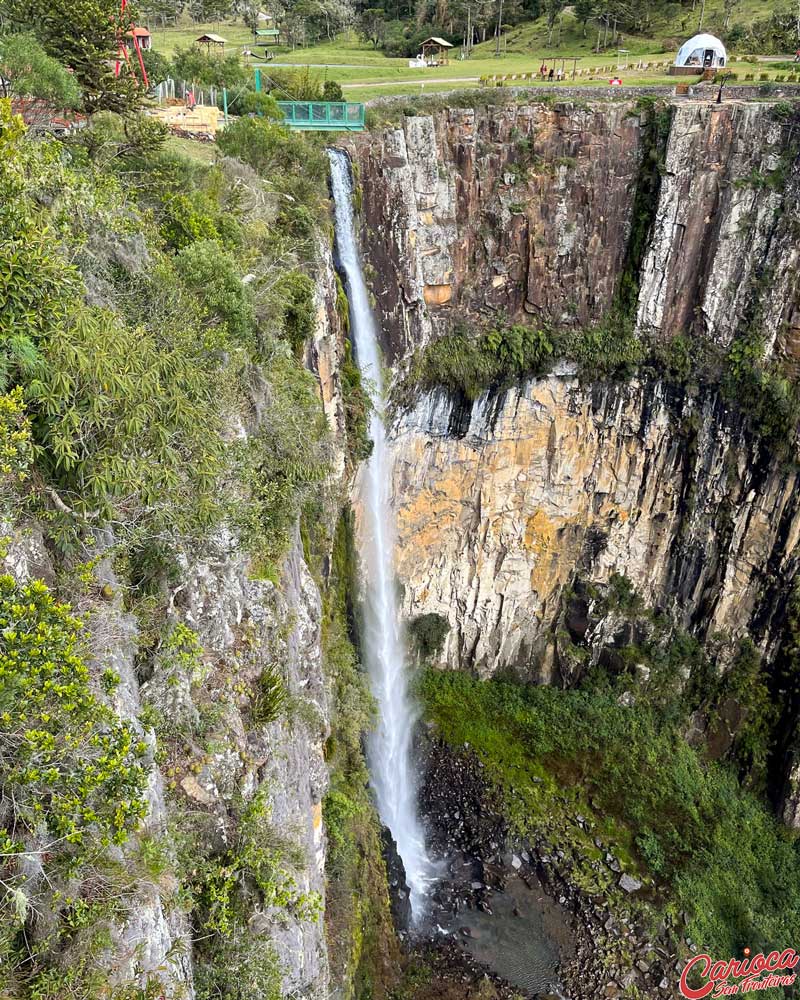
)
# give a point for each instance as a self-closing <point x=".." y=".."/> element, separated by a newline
<point x="365" y="73"/>
<point x="236" y="34"/>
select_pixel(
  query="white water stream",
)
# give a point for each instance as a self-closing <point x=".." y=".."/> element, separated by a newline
<point x="389" y="746"/>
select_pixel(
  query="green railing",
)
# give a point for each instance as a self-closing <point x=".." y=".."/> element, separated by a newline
<point x="323" y="115"/>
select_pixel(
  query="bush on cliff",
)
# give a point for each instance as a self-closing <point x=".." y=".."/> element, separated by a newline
<point x="718" y="852"/>
<point x="470" y="365"/>
<point x="134" y="356"/>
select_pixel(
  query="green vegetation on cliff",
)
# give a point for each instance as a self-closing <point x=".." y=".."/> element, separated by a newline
<point x="362" y="947"/>
<point x="615" y="751"/>
<point x="714" y="851"/>
<point x="154" y="314"/>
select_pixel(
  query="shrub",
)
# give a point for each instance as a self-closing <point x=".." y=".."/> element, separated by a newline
<point x="293" y="84"/>
<point x="212" y="274"/>
<point x="16" y="447"/>
<point x="195" y="66"/>
<point x="299" y="312"/>
<point x="269" y="699"/>
<point x="127" y="422"/>
<point x="159" y="67"/>
<point x="69" y="764"/>
<point x="427" y="634"/>
<point x="271" y="149"/>
<point x="332" y="91"/>
<point x="36" y="284"/>
<point x="357" y="408"/>
<point x="470" y="365"/>
<point x="610" y="349"/>
<point x="243" y="968"/>
<point x="285" y="464"/>
<point x="258" y="861"/>
<point x="185" y="221"/>
<point x="253" y="102"/>
<point x="121" y="140"/>
<point x="34" y="74"/>
<point x="767" y="395"/>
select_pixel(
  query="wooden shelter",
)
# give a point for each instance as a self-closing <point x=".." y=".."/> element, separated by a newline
<point x="559" y="72"/>
<point x="210" y="39"/>
<point x="435" y="51"/>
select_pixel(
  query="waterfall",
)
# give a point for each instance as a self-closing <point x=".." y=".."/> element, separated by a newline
<point x="389" y="746"/>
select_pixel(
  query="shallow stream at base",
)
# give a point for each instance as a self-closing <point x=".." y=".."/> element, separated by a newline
<point x="523" y="940"/>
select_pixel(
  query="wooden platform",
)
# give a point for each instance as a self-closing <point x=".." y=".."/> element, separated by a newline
<point x="200" y="120"/>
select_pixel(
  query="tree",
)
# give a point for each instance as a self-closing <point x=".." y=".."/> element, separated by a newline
<point x="27" y="71"/>
<point x="554" y="8"/>
<point x="83" y="35"/>
<point x="210" y="10"/>
<point x="498" y="27"/>
<point x="158" y="66"/>
<point x="332" y="91"/>
<point x="161" y="12"/>
<point x="196" y="66"/>
<point x="372" y="25"/>
<point x="584" y="10"/>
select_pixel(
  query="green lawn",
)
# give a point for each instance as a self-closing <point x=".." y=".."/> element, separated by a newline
<point x="366" y="73"/>
<point x="235" y="33"/>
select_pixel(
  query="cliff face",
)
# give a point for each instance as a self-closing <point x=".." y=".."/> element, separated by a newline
<point x="527" y="211"/>
<point x="521" y="213"/>
<point x="724" y="239"/>
<point x="241" y="624"/>
<point x="209" y="753"/>
<point x="520" y="210"/>
<point x="554" y="480"/>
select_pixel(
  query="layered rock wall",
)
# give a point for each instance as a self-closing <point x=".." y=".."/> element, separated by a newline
<point x="517" y="211"/>
<point x="526" y="211"/>
<point x="724" y="237"/>
<point x="555" y="480"/>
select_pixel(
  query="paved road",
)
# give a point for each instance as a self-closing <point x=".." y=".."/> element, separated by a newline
<point x="287" y="65"/>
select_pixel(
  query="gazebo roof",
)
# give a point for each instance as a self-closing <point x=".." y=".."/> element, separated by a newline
<point x="209" y="37"/>
<point x="701" y="41"/>
<point x="433" y="40"/>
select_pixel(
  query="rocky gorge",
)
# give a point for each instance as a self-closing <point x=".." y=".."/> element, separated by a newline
<point x="678" y="220"/>
<point x="538" y="214"/>
<point x="595" y="538"/>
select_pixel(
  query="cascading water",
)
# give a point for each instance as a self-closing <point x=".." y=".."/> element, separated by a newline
<point x="389" y="747"/>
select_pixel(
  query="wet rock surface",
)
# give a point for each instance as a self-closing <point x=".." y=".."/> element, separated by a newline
<point x="595" y="951"/>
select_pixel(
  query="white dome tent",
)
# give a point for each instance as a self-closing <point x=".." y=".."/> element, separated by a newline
<point x="702" y="52"/>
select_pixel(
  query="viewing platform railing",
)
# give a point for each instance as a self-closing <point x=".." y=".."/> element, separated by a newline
<point x="341" y="116"/>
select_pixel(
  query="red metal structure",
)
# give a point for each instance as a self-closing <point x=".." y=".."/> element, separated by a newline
<point x="123" y="49"/>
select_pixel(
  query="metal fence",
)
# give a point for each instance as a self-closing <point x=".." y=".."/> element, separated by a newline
<point x="323" y="115"/>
